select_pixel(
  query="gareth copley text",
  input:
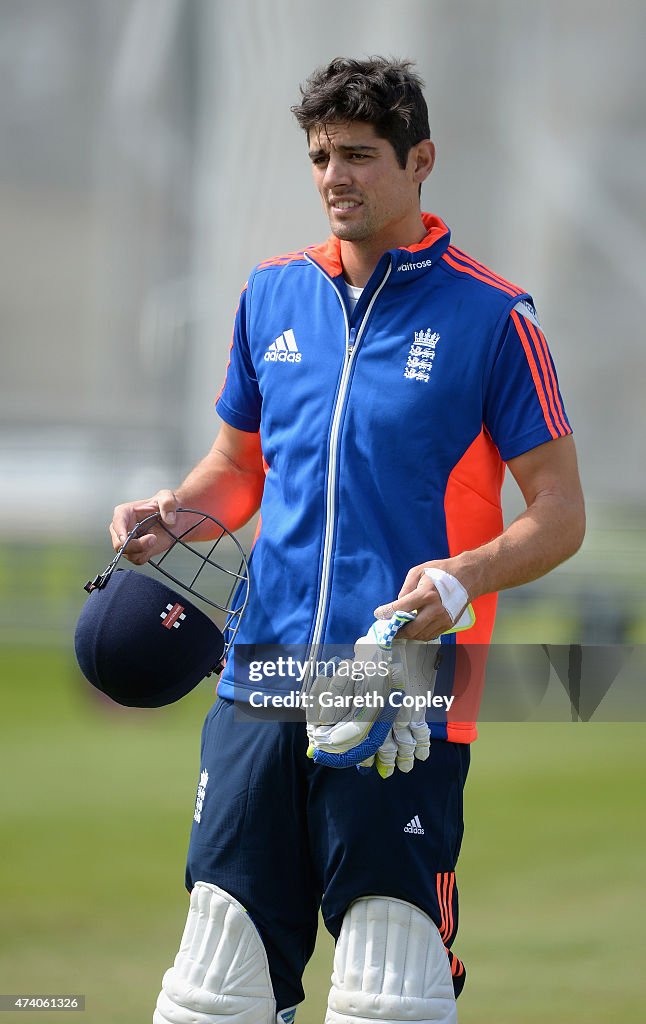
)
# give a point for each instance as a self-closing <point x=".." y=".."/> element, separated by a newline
<point x="396" y="699"/>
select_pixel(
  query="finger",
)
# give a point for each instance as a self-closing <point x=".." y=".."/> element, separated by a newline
<point x="125" y="517"/>
<point x="368" y="763"/>
<point x="403" y="718"/>
<point x="424" y="592"/>
<point x="115" y="537"/>
<point x="413" y="577"/>
<point x="422" y="736"/>
<point x="406" y="763"/>
<point x="429" y="624"/>
<point x="405" y="749"/>
<point x="119" y="538"/>
<point x="121" y="525"/>
<point x="403" y="604"/>
<point x="138" y="550"/>
<point x="168" y="503"/>
<point x="386" y="756"/>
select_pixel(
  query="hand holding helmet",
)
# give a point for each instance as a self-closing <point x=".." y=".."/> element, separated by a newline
<point x="141" y="642"/>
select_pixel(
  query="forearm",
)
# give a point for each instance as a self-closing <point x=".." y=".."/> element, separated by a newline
<point x="226" y="489"/>
<point x="227" y="483"/>
<point x="544" y="535"/>
<point x="550" y="530"/>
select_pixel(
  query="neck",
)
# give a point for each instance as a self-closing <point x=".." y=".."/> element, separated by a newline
<point x="360" y="258"/>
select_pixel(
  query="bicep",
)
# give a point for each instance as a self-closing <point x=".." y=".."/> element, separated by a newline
<point x="241" y="448"/>
<point x="523" y="407"/>
<point x="549" y="469"/>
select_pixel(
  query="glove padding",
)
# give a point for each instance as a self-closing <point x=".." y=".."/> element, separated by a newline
<point x="402" y="747"/>
<point x="409" y="739"/>
<point x="349" y="734"/>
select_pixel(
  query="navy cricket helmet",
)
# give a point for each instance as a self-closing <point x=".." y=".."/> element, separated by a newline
<point x="144" y="644"/>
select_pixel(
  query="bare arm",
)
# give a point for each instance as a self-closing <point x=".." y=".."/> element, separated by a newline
<point x="548" y="532"/>
<point x="228" y="483"/>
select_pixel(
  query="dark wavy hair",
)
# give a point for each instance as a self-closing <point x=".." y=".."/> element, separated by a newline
<point x="384" y="93"/>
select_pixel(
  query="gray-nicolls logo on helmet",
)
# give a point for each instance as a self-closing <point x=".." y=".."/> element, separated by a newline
<point x="145" y="645"/>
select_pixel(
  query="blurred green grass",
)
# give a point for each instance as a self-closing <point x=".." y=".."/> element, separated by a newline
<point x="97" y="804"/>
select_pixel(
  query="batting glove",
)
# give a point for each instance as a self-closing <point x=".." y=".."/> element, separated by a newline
<point x="413" y="670"/>
<point x="352" y="730"/>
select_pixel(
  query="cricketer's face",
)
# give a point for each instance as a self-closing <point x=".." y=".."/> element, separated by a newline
<point x="366" y="195"/>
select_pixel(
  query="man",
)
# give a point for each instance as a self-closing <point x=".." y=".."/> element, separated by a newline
<point x="377" y="385"/>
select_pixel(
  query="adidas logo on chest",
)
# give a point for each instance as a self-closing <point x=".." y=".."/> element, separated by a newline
<point x="284" y="349"/>
<point x="414" y="826"/>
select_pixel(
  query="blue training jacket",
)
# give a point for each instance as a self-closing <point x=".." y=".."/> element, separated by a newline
<point x="384" y="432"/>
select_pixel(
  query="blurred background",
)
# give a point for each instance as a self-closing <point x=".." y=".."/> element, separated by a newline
<point x="149" y="160"/>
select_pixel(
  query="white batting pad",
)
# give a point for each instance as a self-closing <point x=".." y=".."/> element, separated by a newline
<point x="221" y="972"/>
<point x="390" y="965"/>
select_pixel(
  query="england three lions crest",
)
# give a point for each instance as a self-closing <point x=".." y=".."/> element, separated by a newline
<point x="421" y="356"/>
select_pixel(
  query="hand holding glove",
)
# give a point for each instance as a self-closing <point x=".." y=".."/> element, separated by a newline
<point x="362" y="709"/>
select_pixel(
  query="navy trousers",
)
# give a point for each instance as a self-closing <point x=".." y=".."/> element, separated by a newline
<point x="285" y="836"/>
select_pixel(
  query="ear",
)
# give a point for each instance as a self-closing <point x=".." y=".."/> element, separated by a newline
<point x="423" y="157"/>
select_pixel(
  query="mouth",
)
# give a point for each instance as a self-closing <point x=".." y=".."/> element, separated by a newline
<point x="343" y="205"/>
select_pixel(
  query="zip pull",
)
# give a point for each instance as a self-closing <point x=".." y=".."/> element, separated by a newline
<point x="351" y="341"/>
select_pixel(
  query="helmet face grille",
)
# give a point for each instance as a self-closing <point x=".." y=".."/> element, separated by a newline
<point x="143" y="644"/>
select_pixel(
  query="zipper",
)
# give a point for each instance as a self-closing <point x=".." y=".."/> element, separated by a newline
<point x="351" y="342"/>
<point x="353" y="338"/>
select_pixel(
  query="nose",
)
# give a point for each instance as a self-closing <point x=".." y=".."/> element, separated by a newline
<point x="337" y="172"/>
